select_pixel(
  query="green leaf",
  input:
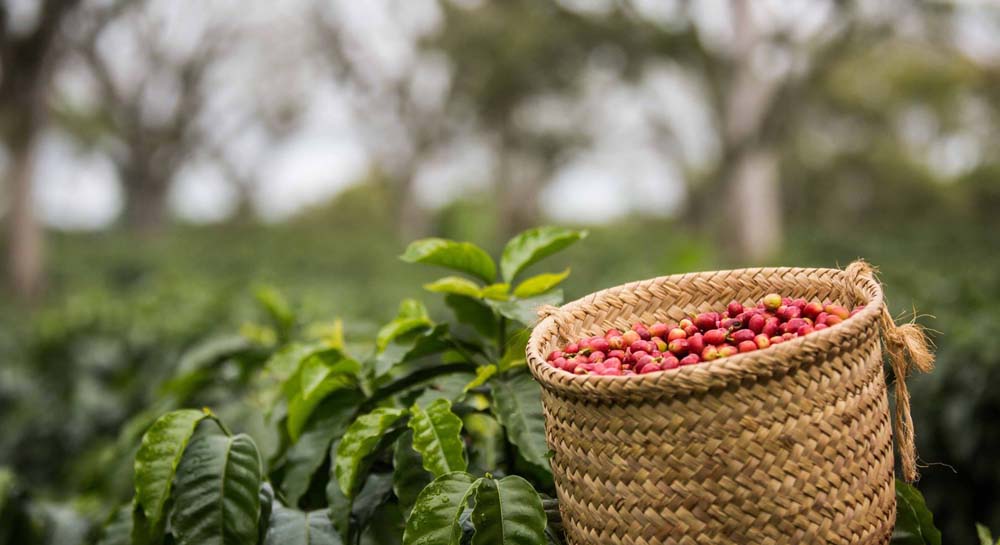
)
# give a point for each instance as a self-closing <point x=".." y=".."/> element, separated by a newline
<point x="450" y="387"/>
<point x="534" y="245"/>
<point x="914" y="522"/>
<point x="525" y="311"/>
<point x="460" y="256"/>
<point x="277" y="308"/>
<point x="300" y="408"/>
<point x="358" y="443"/>
<point x="284" y="364"/>
<point x="266" y="495"/>
<point x="984" y="534"/>
<point x="513" y="354"/>
<point x="412" y="315"/>
<point x="487" y="444"/>
<point x="508" y="512"/>
<point x="434" y="519"/>
<point x="142" y="532"/>
<point x="118" y="530"/>
<point x="217" y="499"/>
<point x="474" y="313"/>
<point x="328" y="423"/>
<point x="211" y="351"/>
<point x="497" y="292"/>
<point x="385" y="527"/>
<point x="437" y="436"/>
<point x="293" y="527"/>
<point x="539" y="284"/>
<point x="408" y="476"/>
<point x="410" y="347"/>
<point x="483" y="374"/>
<point x="517" y="405"/>
<point x="339" y="505"/>
<point x="455" y="284"/>
<point x="156" y="462"/>
<point x="373" y="495"/>
<point x="317" y="367"/>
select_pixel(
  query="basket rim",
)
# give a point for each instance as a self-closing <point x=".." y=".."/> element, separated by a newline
<point x="716" y="374"/>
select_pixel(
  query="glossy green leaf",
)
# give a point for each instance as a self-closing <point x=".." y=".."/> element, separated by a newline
<point x="914" y="522"/>
<point x="437" y="436"/>
<point x="409" y="476"/>
<point x="487" y="444"/>
<point x="321" y="365"/>
<point x="985" y="536"/>
<point x="513" y="354"/>
<point x="450" y="387"/>
<point x="118" y="530"/>
<point x="301" y="409"/>
<point x="410" y="347"/>
<point x="434" y="519"/>
<point x="497" y="292"/>
<point x="412" y="315"/>
<point x="385" y="527"/>
<point x="156" y="462"/>
<point x="508" y="512"/>
<point x="267" y="505"/>
<point x="338" y="505"/>
<point x="525" y="311"/>
<point x="328" y="423"/>
<point x="285" y="364"/>
<point x="373" y="496"/>
<point x="293" y="527"/>
<point x="142" y="532"/>
<point x="460" y="256"/>
<point x="455" y="284"/>
<point x="517" y="405"/>
<point x="539" y="284"/>
<point x="358" y="442"/>
<point x="474" y="313"/>
<point x="483" y="374"/>
<point x="217" y="501"/>
<point x="534" y="245"/>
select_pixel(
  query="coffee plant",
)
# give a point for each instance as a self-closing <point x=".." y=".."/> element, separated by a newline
<point x="430" y="433"/>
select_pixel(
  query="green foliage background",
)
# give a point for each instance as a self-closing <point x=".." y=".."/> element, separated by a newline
<point x="124" y="315"/>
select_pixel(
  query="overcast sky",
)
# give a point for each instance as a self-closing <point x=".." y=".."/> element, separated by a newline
<point x="623" y="171"/>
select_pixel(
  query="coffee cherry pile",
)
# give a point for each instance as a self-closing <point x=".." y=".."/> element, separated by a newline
<point x="705" y="337"/>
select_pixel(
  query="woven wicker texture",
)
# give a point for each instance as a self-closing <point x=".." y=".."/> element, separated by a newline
<point x="792" y="444"/>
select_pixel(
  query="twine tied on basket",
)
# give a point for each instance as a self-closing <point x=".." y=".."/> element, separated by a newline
<point x="908" y="348"/>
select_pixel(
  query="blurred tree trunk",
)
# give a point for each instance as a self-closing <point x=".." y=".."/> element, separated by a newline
<point x="754" y="230"/>
<point x="25" y="67"/>
<point x="145" y="200"/>
<point x="25" y="244"/>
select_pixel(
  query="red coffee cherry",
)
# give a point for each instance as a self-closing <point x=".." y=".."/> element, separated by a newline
<point x="690" y="359"/>
<point x="696" y="343"/>
<point x="715" y="336"/>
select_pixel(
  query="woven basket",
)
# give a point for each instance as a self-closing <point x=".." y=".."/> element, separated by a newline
<point x="791" y="444"/>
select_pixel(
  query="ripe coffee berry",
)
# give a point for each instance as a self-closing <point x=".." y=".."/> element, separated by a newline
<point x="690" y="359"/>
<point x="659" y="329"/>
<point x="706" y="337"/>
<point x="706" y="320"/>
<point x="599" y="344"/>
<point x="715" y="336"/>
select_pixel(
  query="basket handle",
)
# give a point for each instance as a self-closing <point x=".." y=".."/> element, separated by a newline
<point x="908" y="348"/>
